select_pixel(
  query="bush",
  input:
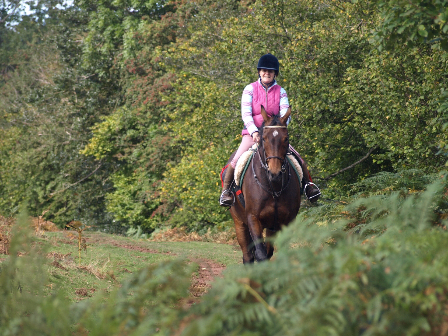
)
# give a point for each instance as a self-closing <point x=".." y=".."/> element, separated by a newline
<point x="385" y="276"/>
<point x="327" y="281"/>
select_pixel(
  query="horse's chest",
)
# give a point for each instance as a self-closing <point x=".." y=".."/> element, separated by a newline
<point x="284" y="214"/>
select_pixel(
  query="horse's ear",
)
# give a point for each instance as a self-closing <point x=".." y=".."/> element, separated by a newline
<point x="284" y="119"/>
<point x="264" y="114"/>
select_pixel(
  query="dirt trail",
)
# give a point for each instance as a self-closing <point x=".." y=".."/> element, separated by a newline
<point x="201" y="280"/>
<point x="208" y="270"/>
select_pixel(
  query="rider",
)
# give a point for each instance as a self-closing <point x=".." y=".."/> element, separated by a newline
<point x="274" y="99"/>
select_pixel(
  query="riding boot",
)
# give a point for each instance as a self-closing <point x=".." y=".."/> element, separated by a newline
<point x="311" y="190"/>
<point x="227" y="197"/>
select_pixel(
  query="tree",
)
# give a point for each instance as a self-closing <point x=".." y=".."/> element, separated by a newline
<point x="47" y="108"/>
<point x="413" y="21"/>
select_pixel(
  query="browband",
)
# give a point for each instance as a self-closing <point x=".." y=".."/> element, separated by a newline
<point x="275" y="127"/>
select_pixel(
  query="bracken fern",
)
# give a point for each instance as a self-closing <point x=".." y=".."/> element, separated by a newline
<point x="386" y="275"/>
<point x="389" y="280"/>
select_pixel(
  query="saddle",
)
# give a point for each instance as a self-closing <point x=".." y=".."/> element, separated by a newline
<point x="242" y="165"/>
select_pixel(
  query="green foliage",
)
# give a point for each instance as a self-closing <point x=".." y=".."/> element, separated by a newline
<point x="122" y="113"/>
<point x="407" y="181"/>
<point x="47" y="107"/>
<point x="112" y="28"/>
<point x="193" y="183"/>
<point x="413" y="21"/>
<point x="25" y="310"/>
<point x="324" y="280"/>
<point x="147" y="300"/>
<point x="136" y="233"/>
<point x="385" y="277"/>
<point x="45" y="131"/>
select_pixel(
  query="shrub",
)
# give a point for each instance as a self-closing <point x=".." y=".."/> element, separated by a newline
<point x="327" y="281"/>
<point x="386" y="276"/>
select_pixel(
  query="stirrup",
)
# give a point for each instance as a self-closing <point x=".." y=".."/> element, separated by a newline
<point x="304" y="190"/>
<point x="222" y="194"/>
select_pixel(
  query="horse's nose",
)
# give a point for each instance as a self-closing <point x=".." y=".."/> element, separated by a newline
<point x="274" y="177"/>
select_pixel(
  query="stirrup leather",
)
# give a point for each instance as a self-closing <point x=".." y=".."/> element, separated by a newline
<point x="311" y="183"/>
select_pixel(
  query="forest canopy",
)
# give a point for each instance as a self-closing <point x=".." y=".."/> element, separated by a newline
<point x="122" y="113"/>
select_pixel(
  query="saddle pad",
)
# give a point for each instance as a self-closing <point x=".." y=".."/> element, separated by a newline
<point x="296" y="165"/>
<point x="241" y="164"/>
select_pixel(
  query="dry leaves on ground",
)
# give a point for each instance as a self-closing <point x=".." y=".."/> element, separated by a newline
<point x="181" y="235"/>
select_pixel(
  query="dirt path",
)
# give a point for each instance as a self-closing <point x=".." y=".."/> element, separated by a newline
<point x="208" y="258"/>
<point x="207" y="271"/>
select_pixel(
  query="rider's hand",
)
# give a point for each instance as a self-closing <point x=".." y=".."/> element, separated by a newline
<point x="255" y="137"/>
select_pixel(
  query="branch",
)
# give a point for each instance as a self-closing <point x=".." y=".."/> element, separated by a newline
<point x="9" y="14"/>
<point x="73" y="184"/>
<point x="260" y="299"/>
<point x="352" y="165"/>
<point x="282" y="23"/>
<point x="333" y="4"/>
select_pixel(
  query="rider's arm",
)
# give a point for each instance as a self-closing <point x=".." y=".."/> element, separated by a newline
<point x="246" y="109"/>
<point x="284" y="104"/>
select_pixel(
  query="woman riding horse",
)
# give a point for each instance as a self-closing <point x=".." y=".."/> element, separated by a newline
<point x="267" y="93"/>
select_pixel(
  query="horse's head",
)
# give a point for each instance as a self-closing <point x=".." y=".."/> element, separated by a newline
<point x="275" y="141"/>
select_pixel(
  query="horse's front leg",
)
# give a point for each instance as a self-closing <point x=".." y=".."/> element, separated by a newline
<point x="270" y="234"/>
<point x="245" y="241"/>
<point x="256" y="232"/>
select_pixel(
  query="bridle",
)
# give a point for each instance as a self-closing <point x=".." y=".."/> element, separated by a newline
<point x="264" y="165"/>
<point x="282" y="160"/>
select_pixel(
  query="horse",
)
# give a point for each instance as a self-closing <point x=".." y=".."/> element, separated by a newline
<point x="271" y="190"/>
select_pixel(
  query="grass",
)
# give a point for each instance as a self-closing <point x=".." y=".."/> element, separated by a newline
<point x="109" y="259"/>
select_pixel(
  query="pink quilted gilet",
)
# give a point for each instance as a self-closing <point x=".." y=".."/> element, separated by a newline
<point x="269" y="100"/>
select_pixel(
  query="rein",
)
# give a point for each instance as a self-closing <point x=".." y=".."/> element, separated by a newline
<point x="270" y="188"/>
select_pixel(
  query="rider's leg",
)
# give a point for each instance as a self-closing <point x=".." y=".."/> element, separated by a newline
<point x="311" y="191"/>
<point x="246" y="143"/>
<point x="226" y="198"/>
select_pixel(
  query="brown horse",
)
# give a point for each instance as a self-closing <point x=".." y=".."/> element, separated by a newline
<point x="271" y="191"/>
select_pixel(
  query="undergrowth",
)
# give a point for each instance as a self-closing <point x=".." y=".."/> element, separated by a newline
<point x="148" y="302"/>
<point x="376" y="265"/>
<point x="386" y="277"/>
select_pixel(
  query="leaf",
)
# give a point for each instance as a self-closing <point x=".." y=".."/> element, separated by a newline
<point x="422" y="31"/>
<point x="444" y="44"/>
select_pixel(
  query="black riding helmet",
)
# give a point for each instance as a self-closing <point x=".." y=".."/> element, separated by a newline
<point x="268" y="62"/>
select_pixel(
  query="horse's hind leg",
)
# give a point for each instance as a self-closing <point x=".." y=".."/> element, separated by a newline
<point x="245" y="241"/>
